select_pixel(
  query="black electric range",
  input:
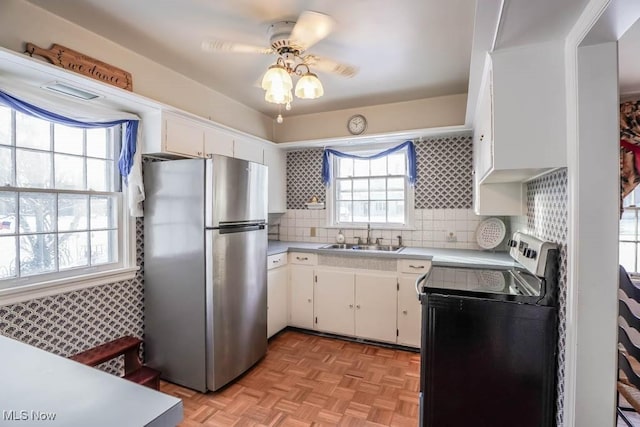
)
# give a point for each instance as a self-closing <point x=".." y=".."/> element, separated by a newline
<point x="488" y="353"/>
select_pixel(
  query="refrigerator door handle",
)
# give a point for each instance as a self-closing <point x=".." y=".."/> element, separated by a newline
<point x="240" y="229"/>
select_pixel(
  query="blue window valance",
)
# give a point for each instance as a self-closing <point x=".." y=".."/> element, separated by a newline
<point x="128" y="150"/>
<point x="408" y="145"/>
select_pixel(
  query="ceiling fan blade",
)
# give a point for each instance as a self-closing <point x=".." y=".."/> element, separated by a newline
<point x="225" y="46"/>
<point x="330" y="66"/>
<point x="310" y="28"/>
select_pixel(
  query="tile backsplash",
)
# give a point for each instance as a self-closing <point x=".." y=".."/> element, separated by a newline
<point x="432" y="228"/>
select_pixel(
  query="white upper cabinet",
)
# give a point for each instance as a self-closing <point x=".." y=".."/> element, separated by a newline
<point x="217" y="142"/>
<point x="247" y="149"/>
<point x="276" y="160"/>
<point x="519" y="125"/>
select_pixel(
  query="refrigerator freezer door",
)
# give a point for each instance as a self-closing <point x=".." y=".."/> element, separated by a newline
<point x="236" y="191"/>
<point x="236" y="302"/>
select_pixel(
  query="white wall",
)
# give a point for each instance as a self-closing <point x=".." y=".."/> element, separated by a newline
<point x="22" y="22"/>
<point x="420" y="114"/>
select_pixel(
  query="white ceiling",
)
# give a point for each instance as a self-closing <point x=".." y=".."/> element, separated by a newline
<point x="404" y="49"/>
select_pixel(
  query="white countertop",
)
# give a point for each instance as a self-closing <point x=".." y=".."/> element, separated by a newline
<point x="439" y="257"/>
<point x="33" y="382"/>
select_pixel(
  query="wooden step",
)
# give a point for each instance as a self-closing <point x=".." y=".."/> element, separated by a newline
<point x="145" y="376"/>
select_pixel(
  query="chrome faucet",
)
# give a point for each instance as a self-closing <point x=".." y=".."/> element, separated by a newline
<point x="399" y="240"/>
<point x="368" y="233"/>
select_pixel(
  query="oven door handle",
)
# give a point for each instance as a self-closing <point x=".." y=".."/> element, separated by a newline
<point x="419" y="280"/>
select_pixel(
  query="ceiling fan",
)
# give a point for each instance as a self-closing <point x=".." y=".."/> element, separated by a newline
<point x="291" y="37"/>
<point x="289" y="41"/>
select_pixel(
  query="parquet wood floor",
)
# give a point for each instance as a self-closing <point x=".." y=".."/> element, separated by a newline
<point x="306" y="380"/>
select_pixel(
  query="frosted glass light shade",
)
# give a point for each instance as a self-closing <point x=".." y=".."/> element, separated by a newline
<point x="277" y="95"/>
<point x="309" y="87"/>
<point x="277" y="76"/>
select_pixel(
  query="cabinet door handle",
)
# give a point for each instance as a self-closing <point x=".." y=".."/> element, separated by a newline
<point x="350" y="305"/>
<point x="302" y="258"/>
<point x="199" y="153"/>
<point x="210" y="155"/>
<point x="309" y="300"/>
<point x="416" y="266"/>
<point x="275" y="261"/>
<point x="358" y="306"/>
<point x="404" y="312"/>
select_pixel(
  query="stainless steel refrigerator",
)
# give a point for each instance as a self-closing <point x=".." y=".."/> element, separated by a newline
<point x="205" y="269"/>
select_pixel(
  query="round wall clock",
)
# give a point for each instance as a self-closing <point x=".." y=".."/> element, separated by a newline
<point x="357" y="124"/>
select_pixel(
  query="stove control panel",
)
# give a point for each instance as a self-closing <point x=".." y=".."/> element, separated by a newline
<point x="530" y="251"/>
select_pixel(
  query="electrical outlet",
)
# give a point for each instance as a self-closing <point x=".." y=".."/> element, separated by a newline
<point x="451" y="237"/>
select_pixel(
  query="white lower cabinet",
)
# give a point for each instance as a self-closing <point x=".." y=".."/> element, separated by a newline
<point x="301" y="296"/>
<point x="375" y="298"/>
<point x="277" y="312"/>
<point x="376" y="305"/>
<point x="334" y="301"/>
<point x="409" y="311"/>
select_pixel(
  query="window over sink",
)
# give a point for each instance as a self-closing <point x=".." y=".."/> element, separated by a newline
<point x="61" y="206"/>
<point x="372" y="191"/>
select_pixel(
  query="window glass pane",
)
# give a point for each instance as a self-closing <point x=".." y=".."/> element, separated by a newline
<point x="69" y="172"/>
<point x="395" y="183"/>
<point x="33" y="169"/>
<point x="100" y="143"/>
<point x="628" y="225"/>
<point x="73" y="212"/>
<point x="379" y="166"/>
<point x="360" y="211"/>
<point x="397" y="164"/>
<point x="68" y="140"/>
<point x="344" y="190"/>
<point x="627" y="256"/>
<point x="395" y="195"/>
<point x="73" y="250"/>
<point x="37" y="254"/>
<point x="378" y="211"/>
<point x="103" y="212"/>
<point x="360" y="189"/>
<point x="37" y="212"/>
<point x="100" y="175"/>
<point x="104" y="248"/>
<point x="5" y="126"/>
<point x="629" y="200"/>
<point x="377" y="189"/>
<point x="8" y="258"/>
<point x="6" y="166"/>
<point x="345" y="167"/>
<point x="345" y="211"/>
<point x="360" y="167"/>
<point x="8" y="214"/>
<point x="32" y="132"/>
<point x="395" y="212"/>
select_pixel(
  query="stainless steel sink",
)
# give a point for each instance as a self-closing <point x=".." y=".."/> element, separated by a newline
<point x="355" y="247"/>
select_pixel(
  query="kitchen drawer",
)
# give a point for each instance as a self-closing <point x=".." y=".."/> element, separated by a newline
<point x="303" y="258"/>
<point x="277" y="260"/>
<point x="416" y="266"/>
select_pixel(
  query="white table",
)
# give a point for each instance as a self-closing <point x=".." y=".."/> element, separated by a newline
<point x="36" y="386"/>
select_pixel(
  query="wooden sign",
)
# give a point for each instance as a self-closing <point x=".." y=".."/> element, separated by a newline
<point x="82" y="64"/>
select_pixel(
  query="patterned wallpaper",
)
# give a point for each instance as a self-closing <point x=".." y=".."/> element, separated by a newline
<point x="444" y="181"/>
<point x="68" y="323"/>
<point x="445" y="173"/>
<point x="547" y="219"/>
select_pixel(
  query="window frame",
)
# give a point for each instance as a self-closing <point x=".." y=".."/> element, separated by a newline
<point x="331" y="189"/>
<point x="18" y="289"/>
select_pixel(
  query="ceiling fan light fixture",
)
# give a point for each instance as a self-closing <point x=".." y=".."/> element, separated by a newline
<point x="278" y="95"/>
<point x="278" y="77"/>
<point x="309" y="87"/>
